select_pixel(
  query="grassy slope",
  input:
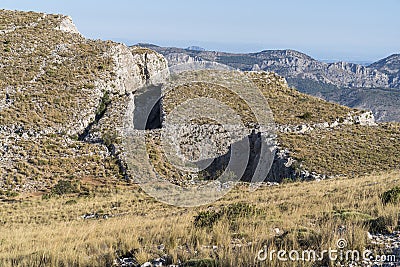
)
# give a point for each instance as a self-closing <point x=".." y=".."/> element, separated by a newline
<point x="288" y="104"/>
<point x="48" y="74"/>
<point x="349" y="150"/>
<point x="52" y="231"/>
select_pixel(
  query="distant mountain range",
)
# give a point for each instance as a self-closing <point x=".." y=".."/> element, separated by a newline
<point x="375" y="87"/>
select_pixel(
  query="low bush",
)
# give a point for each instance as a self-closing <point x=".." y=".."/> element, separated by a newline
<point x="65" y="187"/>
<point x="391" y="196"/>
<point x="232" y="211"/>
<point x="206" y="218"/>
<point x="382" y="224"/>
<point x="306" y="116"/>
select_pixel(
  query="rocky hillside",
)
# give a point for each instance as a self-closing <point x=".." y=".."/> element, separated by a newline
<point x="330" y="81"/>
<point x="66" y="100"/>
<point x="391" y="67"/>
<point x="55" y="85"/>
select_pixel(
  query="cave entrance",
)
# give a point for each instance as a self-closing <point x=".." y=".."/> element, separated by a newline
<point x="147" y="113"/>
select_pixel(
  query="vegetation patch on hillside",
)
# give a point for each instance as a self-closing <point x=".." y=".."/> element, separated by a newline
<point x="289" y="105"/>
<point x="348" y="150"/>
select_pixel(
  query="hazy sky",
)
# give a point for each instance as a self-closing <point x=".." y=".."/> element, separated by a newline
<point x="342" y="29"/>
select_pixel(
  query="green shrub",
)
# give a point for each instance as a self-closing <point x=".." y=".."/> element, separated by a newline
<point x="382" y="225"/>
<point x="105" y="101"/>
<point x="46" y="196"/>
<point x="206" y="218"/>
<point x="241" y="209"/>
<point x="71" y="202"/>
<point x="89" y="86"/>
<point x="65" y="187"/>
<point x="303" y="237"/>
<point x="306" y="116"/>
<point x="232" y="211"/>
<point x="391" y="196"/>
<point x="8" y="193"/>
<point x="110" y="138"/>
<point x="350" y="215"/>
<point x="288" y="180"/>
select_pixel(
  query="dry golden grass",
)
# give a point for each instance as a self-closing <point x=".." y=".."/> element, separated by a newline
<point x="36" y="232"/>
<point x="349" y="150"/>
<point x="211" y="91"/>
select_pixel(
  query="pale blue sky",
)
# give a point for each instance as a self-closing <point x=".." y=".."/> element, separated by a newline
<point x="350" y="30"/>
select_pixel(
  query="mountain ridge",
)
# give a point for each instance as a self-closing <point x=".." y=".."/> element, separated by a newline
<point x="268" y="60"/>
<point x="338" y="81"/>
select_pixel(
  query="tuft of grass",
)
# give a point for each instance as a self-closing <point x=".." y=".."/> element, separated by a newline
<point x="71" y="202"/>
<point x="232" y="212"/>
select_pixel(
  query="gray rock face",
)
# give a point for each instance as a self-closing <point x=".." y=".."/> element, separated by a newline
<point x="349" y="75"/>
<point x="128" y="72"/>
<point x="153" y="66"/>
<point x="292" y="64"/>
<point x="135" y="67"/>
<point x="67" y="25"/>
<point x="181" y="58"/>
<point x="365" y="118"/>
<point x="389" y="66"/>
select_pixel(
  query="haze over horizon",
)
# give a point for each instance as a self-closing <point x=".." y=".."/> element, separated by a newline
<point x="341" y="30"/>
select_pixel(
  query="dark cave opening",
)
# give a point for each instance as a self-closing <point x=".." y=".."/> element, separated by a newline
<point x="147" y="113"/>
